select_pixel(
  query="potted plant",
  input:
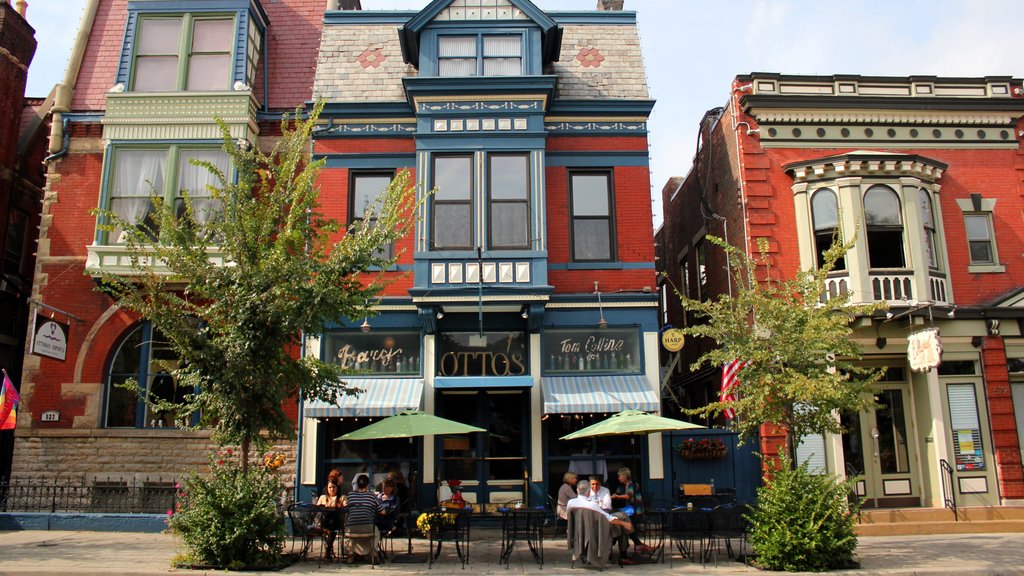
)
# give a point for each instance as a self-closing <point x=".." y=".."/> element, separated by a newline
<point x="701" y="449"/>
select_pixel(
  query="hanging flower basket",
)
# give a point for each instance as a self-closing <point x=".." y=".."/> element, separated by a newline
<point x="702" y="449"/>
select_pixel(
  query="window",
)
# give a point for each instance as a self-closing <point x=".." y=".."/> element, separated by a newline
<point x="702" y="271"/>
<point x="980" y="240"/>
<point x="366" y="188"/>
<point x="928" y="230"/>
<point x="17" y="239"/>
<point x="501" y="181"/>
<point x="480" y="55"/>
<point x="145" y="356"/>
<point x="183" y="53"/>
<point x="453" y="202"/>
<point x="825" y="214"/>
<point x="139" y="174"/>
<point x="592" y="222"/>
<point x="884" y="228"/>
<point x="509" y="201"/>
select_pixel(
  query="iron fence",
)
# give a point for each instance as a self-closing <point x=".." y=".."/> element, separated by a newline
<point x="116" y="495"/>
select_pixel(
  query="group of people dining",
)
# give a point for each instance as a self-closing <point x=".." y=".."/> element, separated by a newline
<point x="620" y="508"/>
<point x="366" y="513"/>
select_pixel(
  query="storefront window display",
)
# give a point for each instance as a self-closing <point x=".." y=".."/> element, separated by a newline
<point x="378" y="352"/>
<point x="609" y="350"/>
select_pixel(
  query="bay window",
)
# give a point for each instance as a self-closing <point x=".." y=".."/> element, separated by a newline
<point x="139" y="175"/>
<point x="453" y="202"/>
<point x="509" y="201"/>
<point x="884" y="228"/>
<point x="183" y="52"/>
<point x="825" y="216"/>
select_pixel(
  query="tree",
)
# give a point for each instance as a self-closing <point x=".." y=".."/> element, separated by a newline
<point x="286" y="270"/>
<point x="795" y="337"/>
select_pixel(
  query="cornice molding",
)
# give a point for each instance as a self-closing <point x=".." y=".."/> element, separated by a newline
<point x="951" y="118"/>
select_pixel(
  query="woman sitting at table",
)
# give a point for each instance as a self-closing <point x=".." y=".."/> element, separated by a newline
<point x="565" y="493"/>
<point x="363" y="508"/>
<point x="330" y="517"/>
<point x="390" y="503"/>
<point x="628" y="494"/>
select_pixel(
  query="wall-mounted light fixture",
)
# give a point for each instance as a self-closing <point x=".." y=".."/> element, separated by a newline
<point x="524" y="312"/>
<point x="438" y="312"/>
<point x="880" y="342"/>
<point x="601" y="322"/>
<point x="977" y="341"/>
<point x="365" y="326"/>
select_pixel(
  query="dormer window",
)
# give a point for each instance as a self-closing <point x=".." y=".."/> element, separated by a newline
<point x="183" y="53"/>
<point x="480" y="55"/>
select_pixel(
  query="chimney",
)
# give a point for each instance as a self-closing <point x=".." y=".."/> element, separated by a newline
<point x="349" y="5"/>
<point x="21" y="6"/>
<point x="603" y="5"/>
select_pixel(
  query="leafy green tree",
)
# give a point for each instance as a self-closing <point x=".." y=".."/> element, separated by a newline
<point x="236" y="325"/>
<point x="802" y="365"/>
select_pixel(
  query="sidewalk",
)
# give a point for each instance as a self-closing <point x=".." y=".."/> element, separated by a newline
<point x="41" y="553"/>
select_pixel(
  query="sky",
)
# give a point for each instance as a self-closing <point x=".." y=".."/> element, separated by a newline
<point x="694" y="48"/>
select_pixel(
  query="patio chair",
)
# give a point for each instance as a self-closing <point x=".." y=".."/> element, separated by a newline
<point x="305" y="527"/>
<point x="456" y="531"/>
<point x="728" y="522"/>
<point x="687" y="527"/>
<point x="590" y="538"/>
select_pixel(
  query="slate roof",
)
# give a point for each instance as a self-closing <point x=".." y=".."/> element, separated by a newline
<point x="615" y="49"/>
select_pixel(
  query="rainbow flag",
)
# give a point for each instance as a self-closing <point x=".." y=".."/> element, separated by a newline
<point x="9" y="400"/>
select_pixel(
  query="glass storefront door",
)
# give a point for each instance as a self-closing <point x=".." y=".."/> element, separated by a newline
<point x="490" y="465"/>
<point x="877" y="448"/>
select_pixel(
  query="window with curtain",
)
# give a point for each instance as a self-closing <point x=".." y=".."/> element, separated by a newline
<point x="144" y="356"/>
<point x="509" y="201"/>
<point x="980" y="240"/>
<point x="928" y="229"/>
<point x="452" y="204"/>
<point x="592" y="216"/>
<point x="196" y="179"/>
<point x="884" y="228"/>
<point x="825" y="213"/>
<point x="183" y="52"/>
<point x="138" y="175"/>
<point x="366" y="188"/>
<point x="480" y="55"/>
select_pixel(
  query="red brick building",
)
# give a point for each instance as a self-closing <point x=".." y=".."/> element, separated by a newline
<point x="927" y="173"/>
<point x="525" y="299"/>
<point x="22" y="148"/>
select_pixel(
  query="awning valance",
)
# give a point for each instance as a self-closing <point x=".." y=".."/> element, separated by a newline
<point x="380" y="397"/>
<point x="590" y="394"/>
<point x="476" y="382"/>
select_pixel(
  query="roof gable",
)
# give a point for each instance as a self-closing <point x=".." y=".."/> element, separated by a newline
<point x="475" y="10"/>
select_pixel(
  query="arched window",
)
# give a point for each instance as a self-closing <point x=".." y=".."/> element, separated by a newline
<point x="884" y="228"/>
<point x="144" y="356"/>
<point x="825" y="215"/>
<point x="928" y="230"/>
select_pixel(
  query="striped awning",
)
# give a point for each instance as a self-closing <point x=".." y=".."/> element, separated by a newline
<point x="589" y="394"/>
<point x="380" y="397"/>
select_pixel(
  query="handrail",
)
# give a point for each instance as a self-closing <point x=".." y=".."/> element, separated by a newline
<point x="948" y="493"/>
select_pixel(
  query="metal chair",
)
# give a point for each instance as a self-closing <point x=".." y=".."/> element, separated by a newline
<point x="305" y="521"/>
<point x="452" y="526"/>
<point x="687" y="527"/>
<point x="728" y="522"/>
<point x="520" y="523"/>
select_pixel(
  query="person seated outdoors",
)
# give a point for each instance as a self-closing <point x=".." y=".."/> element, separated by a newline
<point x="628" y="494"/>
<point x="597" y="552"/>
<point x="401" y="488"/>
<point x="565" y="493"/>
<point x="390" y="504"/>
<point x="330" y="517"/>
<point x="600" y="494"/>
<point x="363" y="508"/>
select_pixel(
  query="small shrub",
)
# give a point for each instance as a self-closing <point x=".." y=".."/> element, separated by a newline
<point x="229" y="518"/>
<point x="803" y="522"/>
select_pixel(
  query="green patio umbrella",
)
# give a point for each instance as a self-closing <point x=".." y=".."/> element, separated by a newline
<point x="408" y="424"/>
<point x="629" y="422"/>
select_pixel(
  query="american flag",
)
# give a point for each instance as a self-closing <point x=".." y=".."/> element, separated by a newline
<point x="729" y="372"/>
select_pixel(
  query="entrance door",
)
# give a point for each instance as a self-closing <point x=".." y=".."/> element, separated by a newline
<point x="877" y="447"/>
<point x="490" y="465"/>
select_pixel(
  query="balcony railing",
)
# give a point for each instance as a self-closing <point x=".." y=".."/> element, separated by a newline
<point x="115" y="259"/>
<point x="892" y="286"/>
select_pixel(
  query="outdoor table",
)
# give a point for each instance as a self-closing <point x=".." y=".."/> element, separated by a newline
<point x="518" y="523"/>
<point x="687" y="525"/>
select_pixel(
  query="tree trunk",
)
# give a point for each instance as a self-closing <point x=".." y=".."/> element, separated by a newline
<point x="244" y="448"/>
